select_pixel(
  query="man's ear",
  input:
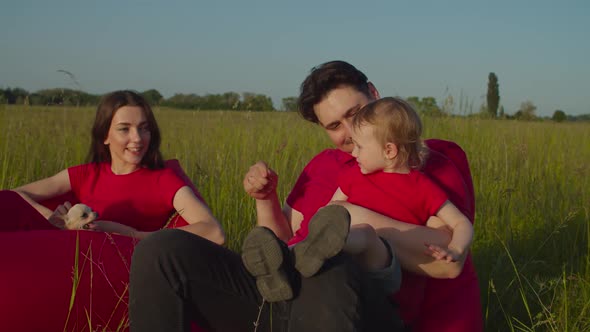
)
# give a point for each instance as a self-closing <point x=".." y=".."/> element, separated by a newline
<point x="373" y="91"/>
<point x="390" y="151"/>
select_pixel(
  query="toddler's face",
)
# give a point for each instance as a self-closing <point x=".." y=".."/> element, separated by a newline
<point x="368" y="151"/>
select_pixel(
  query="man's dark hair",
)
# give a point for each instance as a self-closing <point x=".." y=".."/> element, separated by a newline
<point x="325" y="78"/>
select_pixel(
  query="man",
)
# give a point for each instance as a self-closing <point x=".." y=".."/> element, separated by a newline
<point x="329" y="97"/>
<point x="176" y="277"/>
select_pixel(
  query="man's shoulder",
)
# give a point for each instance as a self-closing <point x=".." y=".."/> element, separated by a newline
<point x="328" y="163"/>
<point x="447" y="165"/>
<point x="443" y="150"/>
<point x="330" y="155"/>
<point x="441" y="145"/>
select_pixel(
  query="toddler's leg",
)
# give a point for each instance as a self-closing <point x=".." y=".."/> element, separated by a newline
<point x="367" y="247"/>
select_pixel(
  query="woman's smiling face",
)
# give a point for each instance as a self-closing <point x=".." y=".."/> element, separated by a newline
<point x="128" y="139"/>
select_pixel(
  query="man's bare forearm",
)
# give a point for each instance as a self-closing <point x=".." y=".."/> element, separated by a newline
<point x="269" y="214"/>
<point x="408" y="242"/>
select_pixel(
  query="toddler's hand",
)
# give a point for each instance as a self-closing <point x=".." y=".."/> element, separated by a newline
<point x="449" y="255"/>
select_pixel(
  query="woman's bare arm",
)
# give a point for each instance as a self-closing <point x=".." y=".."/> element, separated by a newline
<point x="43" y="189"/>
<point x="201" y="220"/>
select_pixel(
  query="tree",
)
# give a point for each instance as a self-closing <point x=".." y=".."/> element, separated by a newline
<point x="559" y="116"/>
<point x="152" y="96"/>
<point x="581" y="117"/>
<point x="58" y="96"/>
<point x="493" y="96"/>
<point x="290" y="104"/>
<point x="426" y="106"/>
<point x="231" y="100"/>
<point x="14" y="96"/>
<point x="256" y="102"/>
<point x="526" y="111"/>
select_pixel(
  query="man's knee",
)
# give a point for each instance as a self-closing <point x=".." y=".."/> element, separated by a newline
<point x="343" y="266"/>
<point x="340" y="279"/>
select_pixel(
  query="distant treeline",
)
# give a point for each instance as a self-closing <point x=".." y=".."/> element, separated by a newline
<point x="248" y="101"/>
<point x="68" y="97"/>
<point x="227" y="101"/>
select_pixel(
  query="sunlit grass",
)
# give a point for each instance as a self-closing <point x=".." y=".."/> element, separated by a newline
<point x="531" y="180"/>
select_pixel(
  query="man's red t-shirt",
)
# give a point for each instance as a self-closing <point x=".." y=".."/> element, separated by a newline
<point x="449" y="304"/>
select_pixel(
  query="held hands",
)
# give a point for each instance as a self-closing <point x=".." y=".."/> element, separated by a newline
<point x="449" y="255"/>
<point x="260" y="181"/>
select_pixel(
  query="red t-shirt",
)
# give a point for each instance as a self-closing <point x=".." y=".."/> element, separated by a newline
<point x="451" y="305"/>
<point x="33" y="247"/>
<point x="410" y="198"/>
<point x="142" y="199"/>
<point x="316" y="185"/>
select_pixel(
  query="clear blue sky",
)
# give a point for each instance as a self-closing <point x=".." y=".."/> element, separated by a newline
<point x="539" y="50"/>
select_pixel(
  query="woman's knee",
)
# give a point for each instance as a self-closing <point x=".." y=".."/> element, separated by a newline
<point x="174" y="246"/>
<point x="156" y="244"/>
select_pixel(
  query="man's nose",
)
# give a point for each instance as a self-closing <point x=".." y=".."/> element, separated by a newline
<point x="348" y="126"/>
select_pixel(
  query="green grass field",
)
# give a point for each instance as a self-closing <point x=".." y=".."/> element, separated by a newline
<point x="532" y="182"/>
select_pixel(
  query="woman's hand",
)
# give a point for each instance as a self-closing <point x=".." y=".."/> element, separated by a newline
<point x="260" y="181"/>
<point x="58" y="217"/>
<point x="113" y="227"/>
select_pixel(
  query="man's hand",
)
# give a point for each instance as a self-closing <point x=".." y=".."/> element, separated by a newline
<point x="260" y="181"/>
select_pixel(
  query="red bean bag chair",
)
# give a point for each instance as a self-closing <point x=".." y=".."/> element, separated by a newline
<point x="55" y="280"/>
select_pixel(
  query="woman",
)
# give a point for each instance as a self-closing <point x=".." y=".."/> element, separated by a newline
<point x="78" y="280"/>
